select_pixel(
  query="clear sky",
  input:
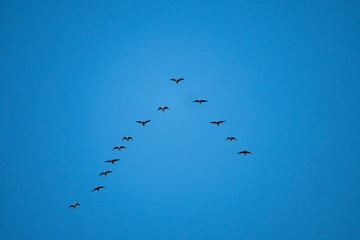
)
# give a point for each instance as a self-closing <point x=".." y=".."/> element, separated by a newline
<point x="76" y="75"/>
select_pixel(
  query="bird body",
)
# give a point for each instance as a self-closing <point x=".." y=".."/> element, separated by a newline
<point x="177" y="80"/>
<point x="244" y="152"/>
<point x="200" y="100"/>
<point x="98" y="188"/>
<point x="112" y="160"/>
<point x="127" y="138"/>
<point x="143" y="122"/>
<point x="119" y="147"/>
<point x="74" y="205"/>
<point x="217" y="122"/>
<point x="230" y="138"/>
<point x="163" y="108"/>
<point x="105" y="172"/>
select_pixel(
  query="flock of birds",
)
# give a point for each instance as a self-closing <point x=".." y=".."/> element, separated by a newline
<point x="127" y="138"/>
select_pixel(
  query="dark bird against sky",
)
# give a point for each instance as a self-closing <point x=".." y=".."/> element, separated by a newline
<point x="113" y="160"/>
<point x="105" y="172"/>
<point x="119" y="147"/>
<point x="177" y="80"/>
<point x="200" y="100"/>
<point x="127" y="138"/>
<point x="230" y="138"/>
<point x="143" y="122"/>
<point x="217" y="122"/>
<point x="244" y="152"/>
<point x="74" y="205"/>
<point x="163" y="108"/>
<point x="98" y="188"/>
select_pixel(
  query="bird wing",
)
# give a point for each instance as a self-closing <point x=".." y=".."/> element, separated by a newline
<point x="115" y="148"/>
<point x="166" y="108"/>
<point x="108" y="161"/>
<point x="77" y="204"/>
<point x="139" y="121"/>
<point x="101" y="174"/>
<point x="101" y="187"/>
<point x="130" y="138"/>
<point x="108" y="171"/>
<point x="196" y="101"/>
<point x="204" y="100"/>
<point x="117" y="159"/>
<point x="147" y="121"/>
<point x="214" y="122"/>
<point x="180" y="79"/>
<point x="227" y="138"/>
<point x="221" y="121"/>
<point x="71" y="206"/>
<point x="173" y="79"/>
<point x="241" y="152"/>
<point x="94" y="189"/>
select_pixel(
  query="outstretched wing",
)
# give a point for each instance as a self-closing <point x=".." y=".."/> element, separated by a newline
<point x="101" y="174"/>
<point x="77" y="204"/>
<point x="71" y="206"/>
<point x="130" y="138"/>
<point x="196" y="101"/>
<point x="94" y="189"/>
<point x="173" y="79"/>
<point x="166" y="108"/>
<point x="115" y="160"/>
<point x="221" y="121"/>
<point x="159" y="108"/>
<point x="139" y="122"/>
<point x="203" y="100"/>
<point x="147" y="121"/>
<point x="227" y="138"/>
<point x="108" y="172"/>
<point x="214" y="122"/>
<point x="115" y="148"/>
<point x="101" y="187"/>
<point x="180" y="79"/>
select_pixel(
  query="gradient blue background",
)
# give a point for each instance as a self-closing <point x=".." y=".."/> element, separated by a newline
<point x="76" y="75"/>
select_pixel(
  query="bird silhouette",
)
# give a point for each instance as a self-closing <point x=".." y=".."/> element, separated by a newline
<point x="98" y="188"/>
<point x="143" y="122"/>
<point x="218" y="122"/>
<point x="113" y="160"/>
<point x="127" y="138"/>
<point x="163" y="108"/>
<point x="200" y="100"/>
<point x="230" y="138"/>
<point x="177" y="80"/>
<point x="74" y="205"/>
<point x="105" y="172"/>
<point x="119" y="147"/>
<point x="244" y="152"/>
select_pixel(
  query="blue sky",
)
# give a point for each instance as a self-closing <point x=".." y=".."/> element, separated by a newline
<point x="76" y="75"/>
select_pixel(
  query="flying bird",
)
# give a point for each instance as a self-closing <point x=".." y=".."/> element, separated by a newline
<point x="230" y="138"/>
<point x="218" y="122"/>
<point x="127" y="138"/>
<point x="74" y="205"/>
<point x="244" y="152"/>
<point x="119" y="147"/>
<point x="200" y="100"/>
<point x="143" y="122"/>
<point x="105" y="172"/>
<point x="163" y="108"/>
<point x="98" y="188"/>
<point x="177" y="80"/>
<point x="113" y="160"/>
